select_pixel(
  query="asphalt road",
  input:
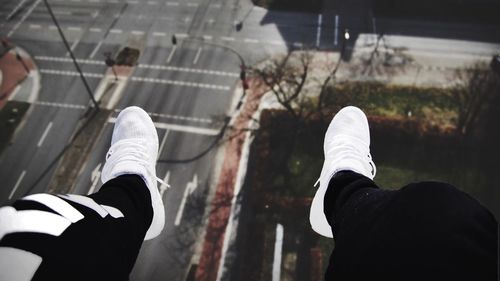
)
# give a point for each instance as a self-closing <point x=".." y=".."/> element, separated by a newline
<point x="179" y="96"/>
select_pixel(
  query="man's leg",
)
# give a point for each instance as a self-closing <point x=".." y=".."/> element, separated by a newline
<point x="426" y="230"/>
<point x="102" y="244"/>
<point x="74" y="237"/>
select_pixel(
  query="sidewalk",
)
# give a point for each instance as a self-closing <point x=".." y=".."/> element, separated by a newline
<point x="19" y="76"/>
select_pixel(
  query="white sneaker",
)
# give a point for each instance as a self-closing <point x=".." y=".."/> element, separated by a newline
<point x="134" y="150"/>
<point x="346" y="147"/>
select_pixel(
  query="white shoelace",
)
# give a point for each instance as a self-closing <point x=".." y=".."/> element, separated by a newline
<point x="132" y="151"/>
<point x="347" y="149"/>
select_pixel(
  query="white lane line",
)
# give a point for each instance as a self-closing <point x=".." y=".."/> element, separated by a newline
<point x="336" y="34"/>
<point x="132" y="2"/>
<point x="95" y="176"/>
<point x="197" y="56"/>
<point x="172" y="4"/>
<point x="73" y="46"/>
<point x="190" y="188"/>
<point x="298" y="44"/>
<point x="95" y="29"/>
<point x="181" y="128"/>
<point x="192" y="4"/>
<point x="137" y="32"/>
<point x="44" y="135"/>
<point x="178" y="117"/>
<point x="35" y="26"/>
<point x="171" y="53"/>
<point x="148" y="66"/>
<point x="61" y="105"/>
<point x="159" y="34"/>
<point x="15" y="10"/>
<point x="217" y="6"/>
<point x="94" y="52"/>
<point x="52" y="27"/>
<point x="249" y="40"/>
<point x="18" y="182"/>
<point x="68" y="60"/>
<point x="318" y="32"/>
<point x="16" y="26"/>
<point x="179" y="83"/>
<point x="74" y="28"/>
<point x="152" y="3"/>
<point x="224" y="38"/>
<point x="163" y="141"/>
<point x="181" y="35"/>
<point x="164" y="187"/>
<point x="71" y="73"/>
<point x="207" y="37"/>
<point x="116" y="31"/>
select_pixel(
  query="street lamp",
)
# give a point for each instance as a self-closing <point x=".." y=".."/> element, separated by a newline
<point x="346" y="34"/>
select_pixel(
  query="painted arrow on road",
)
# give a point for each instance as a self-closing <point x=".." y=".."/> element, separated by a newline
<point x="190" y="188"/>
<point x="94" y="177"/>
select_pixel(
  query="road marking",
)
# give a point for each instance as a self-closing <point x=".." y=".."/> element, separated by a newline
<point x="74" y="28"/>
<point x="249" y="40"/>
<point x="14" y="93"/>
<point x="71" y="73"/>
<point x="132" y="2"/>
<point x="336" y="35"/>
<point x="95" y="29"/>
<point x="179" y="83"/>
<point x="164" y="187"/>
<point x="192" y="4"/>
<point x="276" y="42"/>
<point x="298" y="44"/>
<point x="171" y="53"/>
<point x="190" y="188"/>
<point x="16" y="26"/>
<point x="44" y="135"/>
<point x="162" y="144"/>
<point x="227" y="38"/>
<point x="181" y="35"/>
<point x="35" y="26"/>
<point x="176" y="117"/>
<point x="68" y="60"/>
<point x="62" y="105"/>
<point x="94" y="52"/>
<point x="73" y="46"/>
<point x="207" y="37"/>
<point x="152" y="3"/>
<point x="94" y="177"/>
<point x="117" y="31"/>
<point x="211" y="21"/>
<point x="148" y="66"/>
<point x="172" y="4"/>
<point x="181" y="128"/>
<point x="18" y="182"/>
<point x="197" y="56"/>
<point x="318" y="32"/>
<point x="52" y="27"/>
<point x="278" y="248"/>
<point x="217" y="6"/>
<point x="65" y="13"/>
<point x="159" y="34"/>
<point x="94" y="1"/>
<point x="16" y="8"/>
<point x="137" y="32"/>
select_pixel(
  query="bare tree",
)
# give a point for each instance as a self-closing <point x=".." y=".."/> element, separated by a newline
<point x="476" y="86"/>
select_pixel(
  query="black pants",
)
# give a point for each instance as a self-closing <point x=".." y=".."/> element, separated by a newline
<point x="103" y="245"/>
<point x="424" y="231"/>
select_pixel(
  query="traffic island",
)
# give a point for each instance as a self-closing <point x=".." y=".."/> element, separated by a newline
<point x="19" y="88"/>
